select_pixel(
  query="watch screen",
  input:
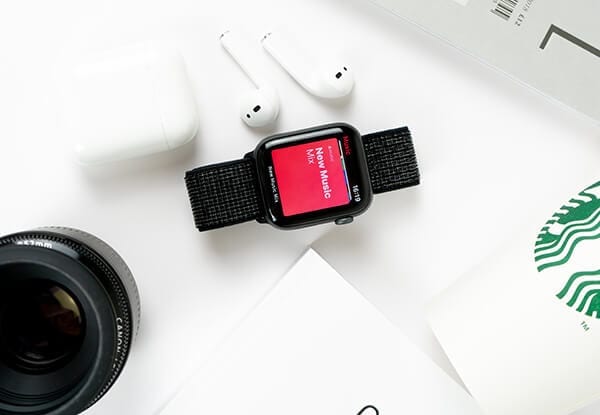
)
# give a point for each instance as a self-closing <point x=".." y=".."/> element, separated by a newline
<point x="311" y="176"/>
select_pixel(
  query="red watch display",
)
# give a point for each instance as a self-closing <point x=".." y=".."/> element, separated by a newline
<point x="311" y="176"/>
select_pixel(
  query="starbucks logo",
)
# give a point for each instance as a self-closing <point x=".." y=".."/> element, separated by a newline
<point x="567" y="252"/>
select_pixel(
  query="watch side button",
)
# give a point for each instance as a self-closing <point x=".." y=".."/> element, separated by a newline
<point x="344" y="221"/>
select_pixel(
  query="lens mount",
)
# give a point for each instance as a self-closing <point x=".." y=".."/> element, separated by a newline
<point x="69" y="312"/>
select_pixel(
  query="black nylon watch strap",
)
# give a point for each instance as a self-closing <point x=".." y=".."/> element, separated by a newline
<point x="391" y="160"/>
<point x="224" y="194"/>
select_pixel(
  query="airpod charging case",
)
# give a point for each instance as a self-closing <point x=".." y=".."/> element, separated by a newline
<point x="128" y="103"/>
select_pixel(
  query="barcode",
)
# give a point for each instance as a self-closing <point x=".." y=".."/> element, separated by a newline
<point x="505" y="8"/>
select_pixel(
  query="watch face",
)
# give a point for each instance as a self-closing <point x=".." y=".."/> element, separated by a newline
<point x="313" y="176"/>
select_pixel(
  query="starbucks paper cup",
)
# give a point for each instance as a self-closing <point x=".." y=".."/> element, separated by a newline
<point x="523" y="329"/>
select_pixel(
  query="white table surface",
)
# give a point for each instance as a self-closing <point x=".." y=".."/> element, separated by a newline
<point x="492" y="154"/>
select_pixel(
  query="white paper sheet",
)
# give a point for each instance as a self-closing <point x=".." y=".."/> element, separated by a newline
<point x="316" y="346"/>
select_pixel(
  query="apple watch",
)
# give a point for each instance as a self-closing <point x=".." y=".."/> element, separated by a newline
<point x="303" y="178"/>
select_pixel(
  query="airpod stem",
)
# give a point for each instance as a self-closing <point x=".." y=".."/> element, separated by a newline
<point x="288" y="56"/>
<point x="233" y="45"/>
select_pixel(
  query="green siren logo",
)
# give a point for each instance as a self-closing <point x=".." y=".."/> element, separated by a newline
<point x="567" y="251"/>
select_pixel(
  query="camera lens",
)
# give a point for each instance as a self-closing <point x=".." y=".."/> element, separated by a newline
<point x="41" y="325"/>
<point x="69" y="311"/>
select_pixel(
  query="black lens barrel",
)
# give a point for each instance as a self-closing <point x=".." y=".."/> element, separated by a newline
<point x="81" y="304"/>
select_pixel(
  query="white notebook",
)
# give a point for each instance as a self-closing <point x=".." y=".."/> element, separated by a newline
<point x="316" y="346"/>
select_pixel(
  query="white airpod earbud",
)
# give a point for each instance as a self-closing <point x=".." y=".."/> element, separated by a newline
<point x="259" y="107"/>
<point x="322" y="80"/>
